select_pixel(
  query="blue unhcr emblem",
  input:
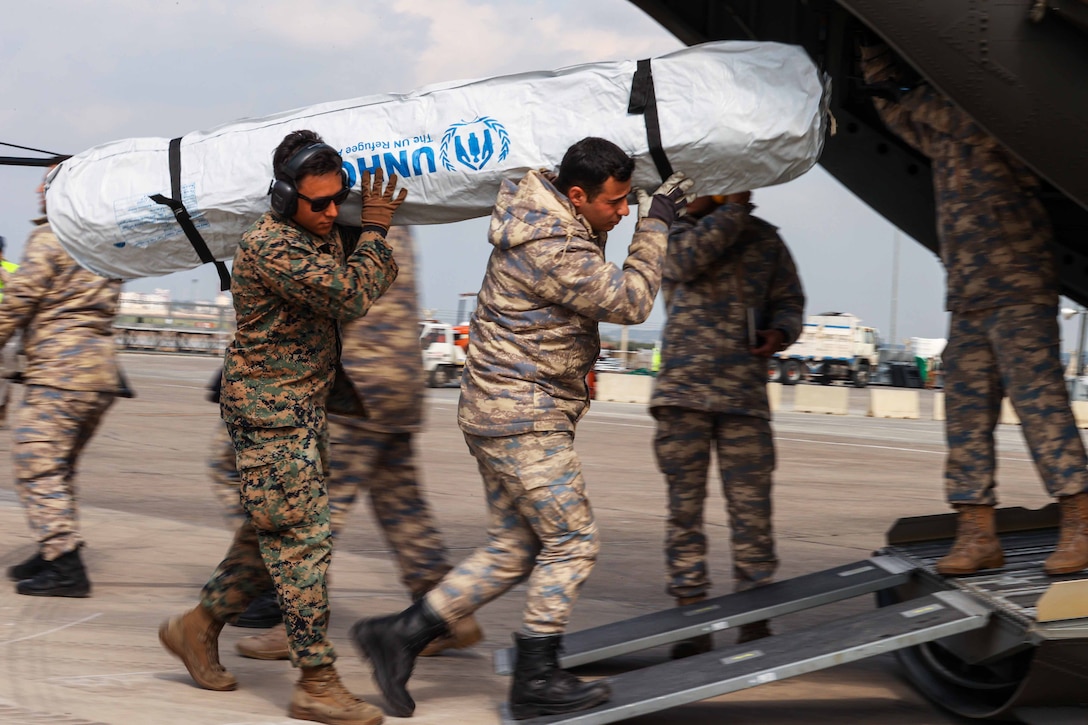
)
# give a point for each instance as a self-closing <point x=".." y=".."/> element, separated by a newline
<point x="474" y="143"/>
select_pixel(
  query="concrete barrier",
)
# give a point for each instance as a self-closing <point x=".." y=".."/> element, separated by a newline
<point x="1080" y="413"/>
<point x="893" y="403"/>
<point x="828" y="399"/>
<point x="774" y="396"/>
<point x="1008" y="415"/>
<point x="621" y="388"/>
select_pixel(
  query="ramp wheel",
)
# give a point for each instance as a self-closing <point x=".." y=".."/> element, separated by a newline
<point x="969" y="690"/>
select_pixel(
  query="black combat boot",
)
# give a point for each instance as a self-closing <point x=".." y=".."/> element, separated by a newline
<point x="539" y="687"/>
<point x="262" y="613"/>
<point x="392" y="644"/>
<point x="29" y="568"/>
<point x="62" y="577"/>
<point x="697" y="645"/>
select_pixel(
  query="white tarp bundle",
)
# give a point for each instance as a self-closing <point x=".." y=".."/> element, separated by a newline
<point x="733" y="115"/>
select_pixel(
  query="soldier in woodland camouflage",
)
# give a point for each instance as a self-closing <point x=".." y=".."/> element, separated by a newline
<point x="294" y="281"/>
<point x="533" y="339"/>
<point x="725" y="270"/>
<point x="375" y="454"/>
<point x="1003" y="339"/>
<point x="66" y="316"/>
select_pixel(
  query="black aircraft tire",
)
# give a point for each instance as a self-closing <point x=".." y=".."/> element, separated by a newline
<point x="971" y="691"/>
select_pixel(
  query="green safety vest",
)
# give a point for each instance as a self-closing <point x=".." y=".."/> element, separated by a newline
<point x="8" y="267"/>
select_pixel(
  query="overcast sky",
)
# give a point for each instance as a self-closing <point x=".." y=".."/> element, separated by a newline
<point x="74" y="74"/>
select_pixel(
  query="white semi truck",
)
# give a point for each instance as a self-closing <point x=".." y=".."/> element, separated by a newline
<point x="832" y="346"/>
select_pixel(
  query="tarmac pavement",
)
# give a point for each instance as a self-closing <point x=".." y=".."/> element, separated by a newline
<point x="154" y="534"/>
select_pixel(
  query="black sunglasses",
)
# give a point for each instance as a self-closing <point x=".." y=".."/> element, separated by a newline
<point x="321" y="203"/>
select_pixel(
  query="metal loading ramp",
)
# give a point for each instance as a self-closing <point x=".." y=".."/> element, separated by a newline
<point x="725" y="612"/>
<point x="1008" y="644"/>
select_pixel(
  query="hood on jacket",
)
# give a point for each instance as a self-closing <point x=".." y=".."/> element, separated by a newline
<point x="533" y="209"/>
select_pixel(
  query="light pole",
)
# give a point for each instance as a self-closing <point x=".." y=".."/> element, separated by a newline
<point x="895" y="288"/>
<point x="1075" y="363"/>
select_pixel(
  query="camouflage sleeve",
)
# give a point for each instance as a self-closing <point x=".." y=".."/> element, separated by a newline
<point x="786" y="298"/>
<point x="573" y="273"/>
<point x="695" y="244"/>
<point x="292" y="267"/>
<point x="922" y="117"/>
<point x="27" y="286"/>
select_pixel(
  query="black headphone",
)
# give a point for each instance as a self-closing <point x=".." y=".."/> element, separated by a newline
<point x="283" y="189"/>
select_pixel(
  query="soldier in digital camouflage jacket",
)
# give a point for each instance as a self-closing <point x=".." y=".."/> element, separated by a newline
<point x="1002" y="291"/>
<point x="290" y="290"/>
<point x="374" y="454"/>
<point x="294" y="282"/>
<point x="711" y="389"/>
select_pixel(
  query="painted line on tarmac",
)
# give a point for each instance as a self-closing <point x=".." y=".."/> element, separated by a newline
<point x="125" y="679"/>
<point x="51" y="631"/>
<point x="621" y="425"/>
<point x="887" y="448"/>
<point x="806" y="440"/>
<point x="10" y="711"/>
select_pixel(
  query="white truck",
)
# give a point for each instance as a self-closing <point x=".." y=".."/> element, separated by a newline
<point x="443" y="347"/>
<point x="832" y="346"/>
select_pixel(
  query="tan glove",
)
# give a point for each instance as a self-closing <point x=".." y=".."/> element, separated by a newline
<point x="378" y="204"/>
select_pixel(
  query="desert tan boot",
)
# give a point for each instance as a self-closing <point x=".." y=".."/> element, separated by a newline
<point x="1071" y="554"/>
<point x="464" y="633"/>
<point x="268" y="645"/>
<point x="321" y="697"/>
<point x="976" y="545"/>
<point x="193" y="638"/>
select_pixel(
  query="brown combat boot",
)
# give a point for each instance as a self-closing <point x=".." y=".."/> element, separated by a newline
<point x="976" y="545"/>
<point x="696" y="645"/>
<point x="193" y="638"/>
<point x="1071" y="554"/>
<point x="269" y="645"/>
<point x="321" y="697"/>
<point x="464" y="633"/>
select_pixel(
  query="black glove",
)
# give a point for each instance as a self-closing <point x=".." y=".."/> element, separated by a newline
<point x="668" y="201"/>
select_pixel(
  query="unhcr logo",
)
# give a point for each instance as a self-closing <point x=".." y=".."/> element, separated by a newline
<point x="473" y="143"/>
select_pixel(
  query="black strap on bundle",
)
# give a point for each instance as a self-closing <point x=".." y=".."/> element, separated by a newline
<point x="643" y="100"/>
<point x="182" y="215"/>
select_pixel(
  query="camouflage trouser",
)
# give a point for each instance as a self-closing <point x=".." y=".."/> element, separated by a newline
<point x="384" y="465"/>
<point x="9" y="365"/>
<point x="745" y="448"/>
<point x="541" y="527"/>
<point x="286" y="535"/>
<point x="51" y="430"/>
<point x="1014" y="351"/>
